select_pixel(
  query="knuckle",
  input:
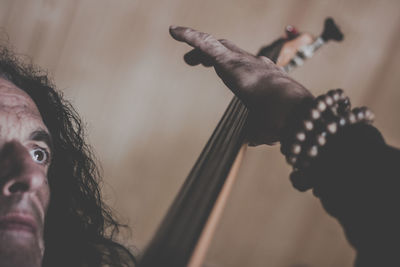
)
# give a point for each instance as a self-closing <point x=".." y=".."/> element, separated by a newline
<point x="187" y="31"/>
<point x="224" y="57"/>
<point x="227" y="43"/>
<point x="235" y="60"/>
<point x="206" y="37"/>
<point x="265" y="60"/>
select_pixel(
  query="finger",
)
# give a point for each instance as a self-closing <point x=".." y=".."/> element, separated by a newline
<point x="192" y="57"/>
<point x="205" y="42"/>
<point x="230" y="45"/>
<point x="196" y="57"/>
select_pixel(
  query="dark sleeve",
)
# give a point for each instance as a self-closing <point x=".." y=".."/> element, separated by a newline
<point x="356" y="177"/>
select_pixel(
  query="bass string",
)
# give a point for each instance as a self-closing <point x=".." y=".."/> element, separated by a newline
<point x="182" y="226"/>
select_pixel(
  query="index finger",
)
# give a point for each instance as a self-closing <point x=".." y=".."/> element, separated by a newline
<point x="205" y="42"/>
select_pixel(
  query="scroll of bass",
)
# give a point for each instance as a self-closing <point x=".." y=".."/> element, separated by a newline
<point x="187" y="229"/>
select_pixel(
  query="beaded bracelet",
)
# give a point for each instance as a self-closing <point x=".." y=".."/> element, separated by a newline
<point x="315" y="122"/>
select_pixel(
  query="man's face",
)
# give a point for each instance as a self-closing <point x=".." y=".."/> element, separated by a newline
<point x="24" y="191"/>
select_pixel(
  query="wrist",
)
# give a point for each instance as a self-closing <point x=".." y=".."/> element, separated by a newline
<point x="310" y="125"/>
<point x="296" y="112"/>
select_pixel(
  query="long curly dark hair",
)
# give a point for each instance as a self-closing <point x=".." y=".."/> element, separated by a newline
<point x="79" y="227"/>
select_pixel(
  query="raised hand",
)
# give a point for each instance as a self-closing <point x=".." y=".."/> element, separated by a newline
<point x="268" y="92"/>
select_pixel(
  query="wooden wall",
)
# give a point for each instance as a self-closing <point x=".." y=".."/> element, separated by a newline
<point x="149" y="115"/>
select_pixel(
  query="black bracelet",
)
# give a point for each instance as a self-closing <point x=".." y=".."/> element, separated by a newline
<point x="313" y="122"/>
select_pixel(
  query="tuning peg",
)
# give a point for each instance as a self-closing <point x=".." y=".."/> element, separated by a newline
<point x="331" y="31"/>
<point x="291" y="32"/>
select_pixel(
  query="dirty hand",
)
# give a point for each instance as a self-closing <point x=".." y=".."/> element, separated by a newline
<point x="268" y="92"/>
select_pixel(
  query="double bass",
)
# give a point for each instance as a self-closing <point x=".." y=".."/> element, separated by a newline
<point x="186" y="230"/>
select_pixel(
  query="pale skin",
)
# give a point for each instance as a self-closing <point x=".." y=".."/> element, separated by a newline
<point x="24" y="191"/>
<point x="266" y="89"/>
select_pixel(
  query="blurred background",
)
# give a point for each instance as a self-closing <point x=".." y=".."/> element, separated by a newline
<point x="148" y="115"/>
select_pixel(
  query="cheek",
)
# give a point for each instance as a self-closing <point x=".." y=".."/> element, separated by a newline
<point x="43" y="197"/>
<point x="46" y="195"/>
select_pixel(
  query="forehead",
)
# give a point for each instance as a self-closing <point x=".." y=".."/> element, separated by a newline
<point x="13" y="97"/>
<point x="18" y="112"/>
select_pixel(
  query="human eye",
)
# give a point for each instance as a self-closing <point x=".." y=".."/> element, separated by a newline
<point x="40" y="155"/>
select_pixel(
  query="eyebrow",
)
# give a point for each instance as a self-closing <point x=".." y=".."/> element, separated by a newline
<point x="42" y="136"/>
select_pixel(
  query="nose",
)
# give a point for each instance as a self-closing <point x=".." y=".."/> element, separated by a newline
<point x="18" y="172"/>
